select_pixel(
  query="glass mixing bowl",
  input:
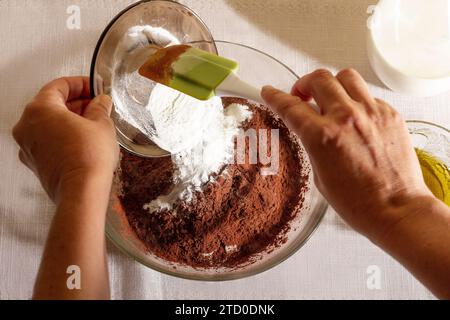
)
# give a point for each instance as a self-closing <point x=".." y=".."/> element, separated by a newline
<point x="257" y="68"/>
<point x="109" y="71"/>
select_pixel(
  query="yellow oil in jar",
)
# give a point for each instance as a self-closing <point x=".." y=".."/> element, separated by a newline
<point x="436" y="175"/>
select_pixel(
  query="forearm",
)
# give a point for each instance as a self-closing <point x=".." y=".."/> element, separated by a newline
<point x="77" y="238"/>
<point x="421" y="242"/>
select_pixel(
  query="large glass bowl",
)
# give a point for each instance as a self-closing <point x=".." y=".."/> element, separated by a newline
<point x="257" y="68"/>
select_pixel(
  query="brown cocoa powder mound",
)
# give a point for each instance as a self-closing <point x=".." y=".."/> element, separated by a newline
<point x="242" y="209"/>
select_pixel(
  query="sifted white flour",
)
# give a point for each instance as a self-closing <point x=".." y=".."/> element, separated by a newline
<point x="145" y="35"/>
<point x="198" y="134"/>
<point x="180" y="121"/>
<point x="195" y="166"/>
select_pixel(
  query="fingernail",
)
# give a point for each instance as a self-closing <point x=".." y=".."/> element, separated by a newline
<point x="103" y="98"/>
<point x="268" y="88"/>
<point x="267" y="91"/>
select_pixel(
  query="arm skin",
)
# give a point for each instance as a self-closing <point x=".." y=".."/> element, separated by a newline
<point x="77" y="237"/>
<point x="421" y="243"/>
<point x="374" y="181"/>
<point x="69" y="142"/>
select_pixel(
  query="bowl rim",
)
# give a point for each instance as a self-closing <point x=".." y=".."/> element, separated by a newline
<point x="321" y="207"/>
<point x="428" y="124"/>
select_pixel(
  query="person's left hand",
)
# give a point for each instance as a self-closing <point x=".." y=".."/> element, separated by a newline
<point x="65" y="138"/>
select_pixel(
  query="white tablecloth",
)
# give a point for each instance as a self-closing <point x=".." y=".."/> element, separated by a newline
<point x="36" y="46"/>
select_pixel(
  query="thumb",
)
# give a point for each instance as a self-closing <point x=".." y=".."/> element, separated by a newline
<point x="99" y="108"/>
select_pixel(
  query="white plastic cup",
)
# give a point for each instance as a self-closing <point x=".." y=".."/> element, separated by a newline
<point x="408" y="45"/>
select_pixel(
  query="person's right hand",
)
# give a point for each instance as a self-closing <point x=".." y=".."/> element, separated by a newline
<point x="359" y="147"/>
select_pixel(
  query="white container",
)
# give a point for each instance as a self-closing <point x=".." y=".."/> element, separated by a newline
<point x="408" y="45"/>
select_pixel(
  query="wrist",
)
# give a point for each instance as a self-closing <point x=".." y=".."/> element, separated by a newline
<point x="402" y="216"/>
<point x="81" y="185"/>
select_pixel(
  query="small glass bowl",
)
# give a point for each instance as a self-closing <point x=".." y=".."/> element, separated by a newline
<point x="257" y="68"/>
<point x="431" y="138"/>
<point x="175" y="18"/>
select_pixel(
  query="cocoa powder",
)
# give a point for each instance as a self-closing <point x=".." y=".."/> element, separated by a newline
<point x="242" y="213"/>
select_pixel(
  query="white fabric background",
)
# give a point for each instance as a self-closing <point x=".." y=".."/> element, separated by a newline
<point x="36" y="46"/>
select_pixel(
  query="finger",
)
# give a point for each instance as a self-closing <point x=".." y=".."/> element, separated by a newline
<point x="355" y="86"/>
<point x="26" y="160"/>
<point x="66" y="89"/>
<point x="78" y="106"/>
<point x="22" y="157"/>
<point x="326" y="90"/>
<point x="17" y="133"/>
<point x="99" y="108"/>
<point x="297" y="93"/>
<point x="295" y="113"/>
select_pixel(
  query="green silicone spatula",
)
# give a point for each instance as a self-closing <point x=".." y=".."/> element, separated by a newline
<point x="197" y="73"/>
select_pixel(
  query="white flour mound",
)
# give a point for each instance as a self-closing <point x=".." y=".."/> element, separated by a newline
<point x="180" y="121"/>
<point x="195" y="166"/>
